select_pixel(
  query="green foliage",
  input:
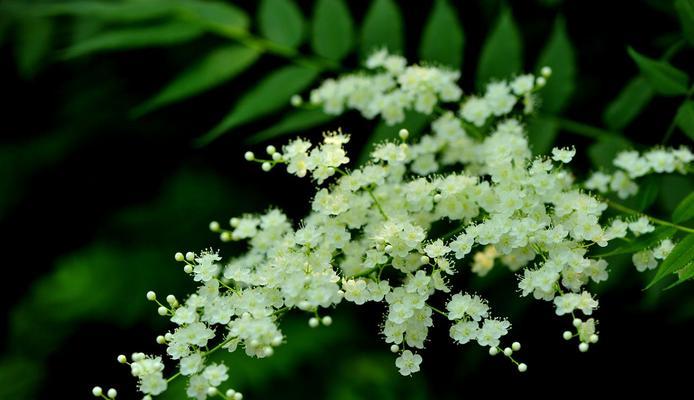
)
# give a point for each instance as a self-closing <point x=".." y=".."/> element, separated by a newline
<point x="685" y="118"/>
<point x="649" y="187"/>
<point x="219" y="17"/>
<point x="382" y="27"/>
<point x="628" y="104"/>
<point x="333" y="29"/>
<point x="605" y="149"/>
<point x="685" y="210"/>
<point x="542" y="132"/>
<point x="217" y="67"/>
<point x="665" y="79"/>
<point x="643" y="242"/>
<point x="166" y="34"/>
<point x="281" y="21"/>
<point x="270" y="94"/>
<point x="502" y="52"/>
<point x="559" y="55"/>
<point x="19" y="378"/>
<point x="685" y="12"/>
<point x="134" y="11"/>
<point x="681" y="257"/>
<point x="443" y="38"/>
<point x="34" y="41"/>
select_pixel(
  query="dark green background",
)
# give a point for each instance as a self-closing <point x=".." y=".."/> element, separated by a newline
<point x="94" y="203"/>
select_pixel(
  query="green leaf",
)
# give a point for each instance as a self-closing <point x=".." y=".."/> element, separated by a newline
<point x="603" y="152"/>
<point x="685" y="12"/>
<point x="296" y="120"/>
<point x="443" y="38"/>
<point x="281" y="21"/>
<point x="685" y="118"/>
<point x="629" y="102"/>
<point x="414" y="122"/>
<point x="684" y="275"/>
<point x="218" y="17"/>
<point x="218" y="66"/>
<point x="541" y="134"/>
<point x="129" y="38"/>
<point x="559" y="55"/>
<point x="333" y="31"/>
<point x="502" y="52"/>
<point x="680" y="257"/>
<point x="271" y="94"/>
<point x="382" y="27"/>
<point x="20" y="378"/>
<point x="33" y="44"/>
<point x="647" y="194"/>
<point x="685" y="210"/>
<point x="129" y="11"/>
<point x="663" y="77"/>
<point x="642" y="242"/>
<point x="674" y="188"/>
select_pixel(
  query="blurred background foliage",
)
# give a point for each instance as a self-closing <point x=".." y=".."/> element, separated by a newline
<point x="123" y="132"/>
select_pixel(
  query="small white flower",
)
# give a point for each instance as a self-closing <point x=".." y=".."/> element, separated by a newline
<point x="408" y="363"/>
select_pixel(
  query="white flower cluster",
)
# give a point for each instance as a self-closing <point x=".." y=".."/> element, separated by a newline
<point x="391" y="87"/>
<point x="648" y="259"/>
<point x="374" y="233"/>
<point x="632" y="165"/>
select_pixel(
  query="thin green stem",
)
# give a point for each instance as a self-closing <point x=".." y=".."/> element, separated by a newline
<point x="625" y="209"/>
<point x="378" y="205"/>
<point x="268" y="46"/>
<point x="581" y="129"/>
<point x="365" y="273"/>
<point x="436" y="310"/>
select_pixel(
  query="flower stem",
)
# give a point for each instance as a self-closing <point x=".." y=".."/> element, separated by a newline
<point x="378" y="205"/>
<point x="268" y="46"/>
<point x="582" y="129"/>
<point x="655" y="220"/>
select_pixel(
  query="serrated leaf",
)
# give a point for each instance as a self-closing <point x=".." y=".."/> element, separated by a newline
<point x="414" y="122"/>
<point x="685" y="118"/>
<point x="269" y="95"/>
<point x="541" y="134"/>
<point x="219" y="17"/>
<point x="680" y="256"/>
<point x="281" y="21"/>
<point x="443" y="38"/>
<point x="33" y="44"/>
<point x="217" y="67"/>
<point x="603" y="152"/>
<point x="502" y="52"/>
<point x="382" y="27"/>
<point x="665" y="79"/>
<point x="628" y="104"/>
<point x="642" y="242"/>
<point x="296" y="120"/>
<point x="685" y="12"/>
<point x="130" y="38"/>
<point x="559" y="55"/>
<point x="685" y="210"/>
<point x="333" y="32"/>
